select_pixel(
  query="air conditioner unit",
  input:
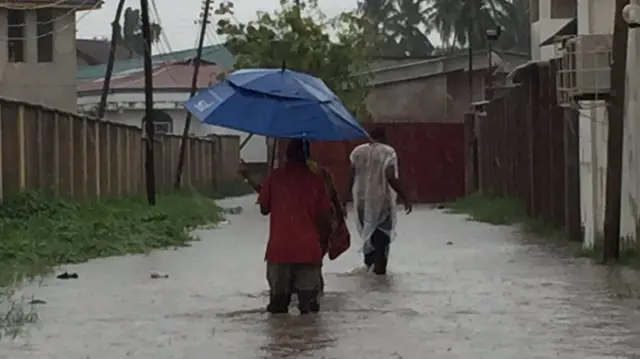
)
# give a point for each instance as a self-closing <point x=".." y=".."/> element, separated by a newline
<point x="585" y="69"/>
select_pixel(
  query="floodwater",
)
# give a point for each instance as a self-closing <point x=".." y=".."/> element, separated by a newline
<point x="456" y="289"/>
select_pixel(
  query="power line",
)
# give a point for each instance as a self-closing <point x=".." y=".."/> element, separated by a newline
<point x="36" y="7"/>
<point x="163" y="34"/>
<point x="53" y="20"/>
<point x="5" y="38"/>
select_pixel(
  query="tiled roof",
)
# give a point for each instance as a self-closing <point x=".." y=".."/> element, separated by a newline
<point x="167" y="75"/>
<point x="215" y="53"/>
<point x="97" y="51"/>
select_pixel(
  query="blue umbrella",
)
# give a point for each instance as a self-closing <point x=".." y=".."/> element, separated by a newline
<point x="278" y="103"/>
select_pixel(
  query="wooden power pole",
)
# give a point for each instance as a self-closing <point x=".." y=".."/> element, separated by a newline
<point x="194" y="87"/>
<point x="148" y="98"/>
<point x="115" y="34"/>
<point x="471" y="27"/>
<point x="616" y="104"/>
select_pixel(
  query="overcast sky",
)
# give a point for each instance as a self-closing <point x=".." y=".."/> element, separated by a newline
<point x="177" y="17"/>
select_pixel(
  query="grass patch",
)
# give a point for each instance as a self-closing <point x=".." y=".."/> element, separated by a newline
<point x="501" y="211"/>
<point x="629" y="257"/>
<point x="38" y="232"/>
<point x="14" y="313"/>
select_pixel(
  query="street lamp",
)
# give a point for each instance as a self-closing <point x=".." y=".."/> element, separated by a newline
<point x="631" y="15"/>
<point x="492" y="35"/>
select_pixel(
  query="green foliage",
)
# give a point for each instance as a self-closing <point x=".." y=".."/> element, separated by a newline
<point x="300" y="36"/>
<point x="404" y="25"/>
<point x="130" y="35"/>
<point x="501" y="211"/>
<point x="38" y="232"/>
<point x="400" y="25"/>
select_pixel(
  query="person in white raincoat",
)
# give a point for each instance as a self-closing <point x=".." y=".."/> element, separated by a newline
<point x="374" y="184"/>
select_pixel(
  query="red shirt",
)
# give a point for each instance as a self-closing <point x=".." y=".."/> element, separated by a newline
<point x="295" y="196"/>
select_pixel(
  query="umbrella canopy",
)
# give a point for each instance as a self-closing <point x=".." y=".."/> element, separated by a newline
<point x="278" y="103"/>
<point x="282" y="83"/>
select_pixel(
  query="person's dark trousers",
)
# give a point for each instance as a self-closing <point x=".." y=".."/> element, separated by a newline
<point x="380" y="241"/>
<point x="379" y="256"/>
<point x="287" y="278"/>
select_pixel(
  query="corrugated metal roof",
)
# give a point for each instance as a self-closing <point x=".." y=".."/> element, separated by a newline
<point x="215" y="53"/>
<point x="167" y="75"/>
<point x="98" y="50"/>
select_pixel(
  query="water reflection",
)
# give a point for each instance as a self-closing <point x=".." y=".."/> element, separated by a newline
<point x="489" y="294"/>
<point x="296" y="336"/>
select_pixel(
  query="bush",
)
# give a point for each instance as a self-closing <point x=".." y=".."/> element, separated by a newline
<point x="38" y="232"/>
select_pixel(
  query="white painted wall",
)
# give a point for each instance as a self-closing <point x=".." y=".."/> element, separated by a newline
<point x="596" y="17"/>
<point x="630" y="225"/>
<point x="129" y="109"/>
<point x="542" y="29"/>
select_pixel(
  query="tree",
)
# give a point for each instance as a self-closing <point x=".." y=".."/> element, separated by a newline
<point x="401" y="26"/>
<point x="451" y="18"/>
<point x="408" y="23"/>
<point x="131" y="34"/>
<point x="337" y="50"/>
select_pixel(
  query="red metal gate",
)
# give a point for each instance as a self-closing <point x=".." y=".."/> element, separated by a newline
<point x="430" y="156"/>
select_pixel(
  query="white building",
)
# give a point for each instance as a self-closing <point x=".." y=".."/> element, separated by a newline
<point x="172" y="84"/>
<point x="595" y="17"/>
<point x="38" y="50"/>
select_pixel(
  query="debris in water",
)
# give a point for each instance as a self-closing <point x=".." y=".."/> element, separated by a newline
<point x="232" y="210"/>
<point x="225" y="222"/>
<point x="158" y="275"/>
<point x="67" y="275"/>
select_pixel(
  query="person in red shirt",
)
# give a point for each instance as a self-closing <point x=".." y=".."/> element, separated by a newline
<point x="296" y="199"/>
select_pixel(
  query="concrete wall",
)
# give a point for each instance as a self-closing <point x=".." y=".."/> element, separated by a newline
<point x="52" y="84"/>
<point x="596" y="17"/>
<point x="551" y="16"/>
<point x="429" y="90"/>
<point x="132" y="112"/>
<point x="631" y="149"/>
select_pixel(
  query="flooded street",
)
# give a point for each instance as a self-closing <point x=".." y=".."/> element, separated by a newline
<point x="456" y="289"/>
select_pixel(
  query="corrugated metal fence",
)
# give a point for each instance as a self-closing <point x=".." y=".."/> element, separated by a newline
<point x="527" y="148"/>
<point x="430" y="157"/>
<point x="80" y="157"/>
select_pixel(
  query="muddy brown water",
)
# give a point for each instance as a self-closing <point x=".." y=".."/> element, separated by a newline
<point x="488" y="294"/>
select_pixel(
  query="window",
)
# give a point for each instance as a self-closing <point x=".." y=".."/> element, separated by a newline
<point x="162" y="127"/>
<point x="16" y="33"/>
<point x="45" y="21"/>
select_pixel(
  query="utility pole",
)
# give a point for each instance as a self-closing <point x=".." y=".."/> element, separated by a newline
<point x="115" y="34"/>
<point x="616" y="103"/>
<point x="470" y="28"/>
<point x="204" y="18"/>
<point x="148" y="98"/>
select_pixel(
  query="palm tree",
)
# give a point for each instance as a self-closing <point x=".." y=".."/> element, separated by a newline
<point x="378" y="14"/>
<point x="409" y="26"/>
<point x="399" y="26"/>
<point x="131" y="36"/>
<point x="452" y="20"/>
<point x="514" y="18"/>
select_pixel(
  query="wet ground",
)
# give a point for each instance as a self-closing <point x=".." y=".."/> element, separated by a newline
<point x="486" y="294"/>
